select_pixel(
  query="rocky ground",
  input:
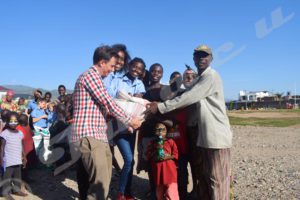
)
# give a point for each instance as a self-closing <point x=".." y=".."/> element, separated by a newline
<point x="265" y="165"/>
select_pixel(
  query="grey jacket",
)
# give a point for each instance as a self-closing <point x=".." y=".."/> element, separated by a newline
<point x="212" y="120"/>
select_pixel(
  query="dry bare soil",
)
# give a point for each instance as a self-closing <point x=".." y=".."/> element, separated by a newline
<point x="265" y="165"/>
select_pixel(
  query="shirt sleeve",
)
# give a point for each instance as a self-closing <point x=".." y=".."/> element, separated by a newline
<point x="95" y="87"/>
<point x="3" y="135"/>
<point x="107" y="81"/>
<point x="140" y="89"/>
<point x="50" y="116"/>
<point x="114" y="87"/>
<point x="33" y="114"/>
<point x="202" y="89"/>
<point x="29" y="105"/>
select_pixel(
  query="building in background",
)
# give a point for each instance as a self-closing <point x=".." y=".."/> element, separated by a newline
<point x="264" y="100"/>
<point x="245" y="96"/>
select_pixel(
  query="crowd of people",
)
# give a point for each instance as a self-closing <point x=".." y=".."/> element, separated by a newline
<point x="184" y="122"/>
<point x="27" y="129"/>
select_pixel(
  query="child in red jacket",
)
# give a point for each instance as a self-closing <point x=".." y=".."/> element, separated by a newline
<point x="163" y="154"/>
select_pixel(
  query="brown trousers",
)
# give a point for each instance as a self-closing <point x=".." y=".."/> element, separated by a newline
<point x="212" y="171"/>
<point x="94" y="169"/>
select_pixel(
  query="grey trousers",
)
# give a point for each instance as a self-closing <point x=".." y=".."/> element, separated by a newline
<point x="94" y="169"/>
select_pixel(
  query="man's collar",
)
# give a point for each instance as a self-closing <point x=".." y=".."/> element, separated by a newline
<point x="95" y="69"/>
<point x="125" y="78"/>
<point x="205" y="71"/>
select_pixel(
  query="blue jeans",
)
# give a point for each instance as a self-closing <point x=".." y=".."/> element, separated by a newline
<point x="125" y="143"/>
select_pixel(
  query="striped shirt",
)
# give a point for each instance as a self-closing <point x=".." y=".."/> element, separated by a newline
<point x="13" y="147"/>
<point x="92" y="104"/>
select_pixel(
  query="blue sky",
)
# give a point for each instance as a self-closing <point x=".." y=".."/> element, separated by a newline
<point x="47" y="43"/>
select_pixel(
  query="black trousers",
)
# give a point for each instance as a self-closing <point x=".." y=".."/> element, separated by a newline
<point x="11" y="180"/>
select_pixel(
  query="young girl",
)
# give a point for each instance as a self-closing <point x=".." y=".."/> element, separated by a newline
<point x="125" y="141"/>
<point x="13" y="158"/>
<point x="121" y="67"/>
<point x="162" y="154"/>
<point x="130" y="82"/>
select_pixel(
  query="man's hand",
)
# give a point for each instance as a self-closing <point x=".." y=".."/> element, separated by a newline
<point x="135" y="123"/>
<point x="167" y="157"/>
<point x="151" y="108"/>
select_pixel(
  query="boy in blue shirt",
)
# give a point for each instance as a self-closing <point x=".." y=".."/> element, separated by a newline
<point x="42" y="137"/>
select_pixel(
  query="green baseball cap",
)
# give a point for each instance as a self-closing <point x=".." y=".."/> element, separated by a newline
<point x="203" y="48"/>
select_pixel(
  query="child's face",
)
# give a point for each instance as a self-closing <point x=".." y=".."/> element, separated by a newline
<point x="42" y="105"/>
<point x="161" y="130"/>
<point x="48" y="97"/>
<point x="13" y="122"/>
<point x="136" y="69"/>
<point x="21" y="102"/>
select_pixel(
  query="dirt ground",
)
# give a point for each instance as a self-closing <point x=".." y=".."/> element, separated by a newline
<point x="265" y="165"/>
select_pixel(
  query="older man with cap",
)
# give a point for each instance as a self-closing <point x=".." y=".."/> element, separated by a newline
<point x="211" y="125"/>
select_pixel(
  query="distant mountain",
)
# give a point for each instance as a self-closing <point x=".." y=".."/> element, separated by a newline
<point x="23" y="89"/>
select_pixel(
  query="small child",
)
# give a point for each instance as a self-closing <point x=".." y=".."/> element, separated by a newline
<point x="41" y="136"/>
<point x="13" y="158"/>
<point x="40" y="117"/>
<point x="162" y="154"/>
<point x="50" y="111"/>
<point x="28" y="144"/>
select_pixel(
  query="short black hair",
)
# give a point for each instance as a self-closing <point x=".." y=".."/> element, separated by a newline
<point x="137" y="60"/>
<point x="4" y="115"/>
<point x="23" y="120"/>
<point x="104" y="52"/>
<point x="174" y="74"/>
<point x="48" y="93"/>
<point x="155" y="65"/>
<point x="61" y="86"/>
<point x="12" y="114"/>
<point x="39" y="91"/>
